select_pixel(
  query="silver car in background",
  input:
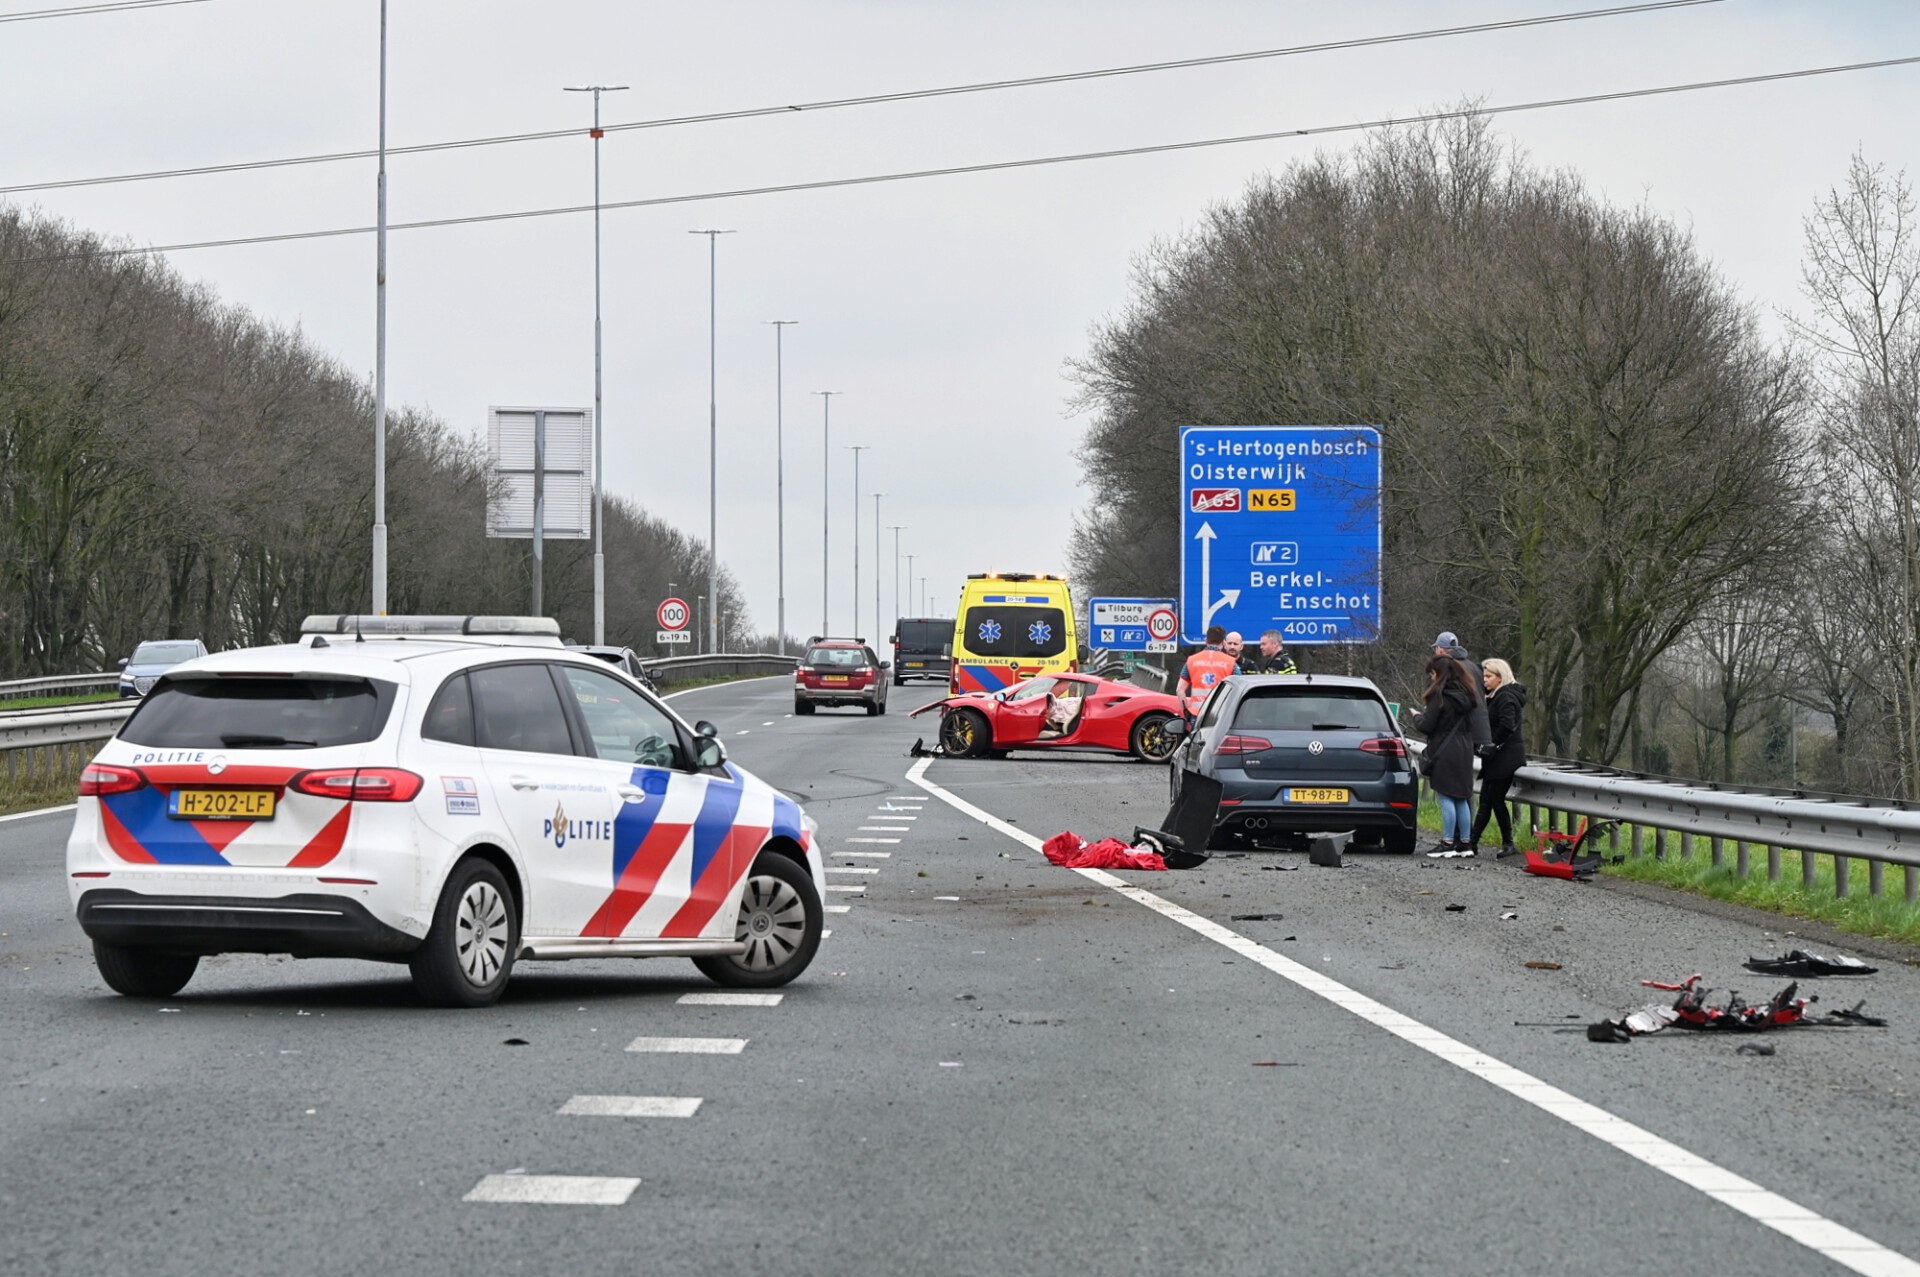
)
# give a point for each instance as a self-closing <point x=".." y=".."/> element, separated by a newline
<point x="152" y="659"/>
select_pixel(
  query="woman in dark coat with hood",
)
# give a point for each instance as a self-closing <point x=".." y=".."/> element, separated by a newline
<point x="1508" y="754"/>
<point x="1445" y="720"/>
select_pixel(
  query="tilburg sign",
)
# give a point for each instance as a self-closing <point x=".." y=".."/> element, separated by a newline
<point x="1132" y="625"/>
<point x="1280" y="530"/>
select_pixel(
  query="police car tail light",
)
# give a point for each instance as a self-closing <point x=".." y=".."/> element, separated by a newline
<point x="1242" y="745"/>
<point x="1391" y="746"/>
<point x="101" y="779"/>
<point x="359" y="784"/>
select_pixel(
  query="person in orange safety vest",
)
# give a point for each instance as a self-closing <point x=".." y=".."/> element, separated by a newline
<point x="1204" y="669"/>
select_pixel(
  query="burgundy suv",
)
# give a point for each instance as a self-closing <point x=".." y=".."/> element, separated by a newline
<point x="840" y="671"/>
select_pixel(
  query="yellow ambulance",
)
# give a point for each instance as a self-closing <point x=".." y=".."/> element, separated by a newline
<point x="1011" y="626"/>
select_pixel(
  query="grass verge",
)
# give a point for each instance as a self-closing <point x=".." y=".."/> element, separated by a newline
<point x="1686" y="864"/>
<point x="55" y="702"/>
<point x="31" y="793"/>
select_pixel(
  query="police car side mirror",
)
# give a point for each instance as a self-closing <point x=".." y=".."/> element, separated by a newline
<point x="709" y="752"/>
<point x="705" y="729"/>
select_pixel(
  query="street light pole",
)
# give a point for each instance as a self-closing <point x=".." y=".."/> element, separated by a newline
<point x="877" y="631"/>
<point x="913" y="609"/>
<point x="380" y="349"/>
<point x="898" y="528"/>
<point x="923" y="593"/>
<point x="856" y="449"/>
<point x="599" y="541"/>
<point x="713" y="445"/>
<point x="780" y="471"/>
<point x="826" y="498"/>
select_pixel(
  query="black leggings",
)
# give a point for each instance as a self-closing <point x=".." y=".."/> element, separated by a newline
<point x="1493" y="802"/>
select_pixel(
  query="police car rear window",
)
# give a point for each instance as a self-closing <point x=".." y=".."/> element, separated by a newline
<point x="1015" y="630"/>
<point x="260" y="712"/>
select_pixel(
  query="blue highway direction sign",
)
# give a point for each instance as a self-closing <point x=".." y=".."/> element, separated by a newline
<point x="1133" y="625"/>
<point x="1280" y="529"/>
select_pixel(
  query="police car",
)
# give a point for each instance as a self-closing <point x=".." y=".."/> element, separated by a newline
<point x="455" y="793"/>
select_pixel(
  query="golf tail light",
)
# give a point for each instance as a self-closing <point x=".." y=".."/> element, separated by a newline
<point x="101" y="779"/>
<point x="359" y="784"/>
<point x="1242" y="745"/>
<point x="1390" y="746"/>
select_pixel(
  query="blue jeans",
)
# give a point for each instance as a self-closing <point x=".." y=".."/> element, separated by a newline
<point x="1456" y="818"/>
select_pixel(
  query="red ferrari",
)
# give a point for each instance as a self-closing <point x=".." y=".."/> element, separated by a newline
<point x="1059" y="711"/>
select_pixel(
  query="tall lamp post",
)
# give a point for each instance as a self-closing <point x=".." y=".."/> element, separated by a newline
<point x="380" y="347"/>
<point x="923" y="592"/>
<point x="599" y="542"/>
<point x="713" y="445"/>
<point x="780" y="471"/>
<point x="913" y="609"/>
<point x="877" y="631"/>
<point x="898" y="528"/>
<point x="826" y="499"/>
<point x="856" y="449"/>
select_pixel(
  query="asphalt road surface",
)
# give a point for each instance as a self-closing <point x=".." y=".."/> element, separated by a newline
<point x="994" y="1066"/>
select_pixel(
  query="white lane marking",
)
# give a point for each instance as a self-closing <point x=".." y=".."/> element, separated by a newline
<point x="554" y="1190"/>
<point x="838" y="908"/>
<point x="1840" y="1244"/>
<point x="852" y="869"/>
<point x="768" y="723"/>
<point x="885" y="829"/>
<point x="632" y="1106"/>
<point x="946" y="897"/>
<point x="891" y="807"/>
<point x="743" y="731"/>
<point x="866" y="855"/>
<point x="44" y="811"/>
<point x="689" y="1046"/>
<point x="846" y="886"/>
<point x="731" y="999"/>
<point x="826" y="933"/>
<point x="894" y="817"/>
<point x="879" y="840"/>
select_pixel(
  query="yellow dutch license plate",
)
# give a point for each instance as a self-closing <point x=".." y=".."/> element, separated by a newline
<point x="221" y="804"/>
<point x="914" y="665"/>
<point x="1317" y="795"/>
<point x="833" y="678"/>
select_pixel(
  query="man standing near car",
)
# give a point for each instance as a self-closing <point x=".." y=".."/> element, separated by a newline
<point x="1203" y="670"/>
<point x="1272" y="658"/>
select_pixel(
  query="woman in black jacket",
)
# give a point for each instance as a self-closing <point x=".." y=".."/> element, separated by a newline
<point x="1508" y="754"/>
<point x="1446" y="722"/>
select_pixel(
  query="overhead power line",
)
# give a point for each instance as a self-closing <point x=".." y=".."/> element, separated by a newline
<point x="875" y="179"/>
<point x="86" y="10"/>
<point x="912" y="95"/>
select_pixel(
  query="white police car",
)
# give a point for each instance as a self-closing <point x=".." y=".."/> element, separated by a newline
<point x="455" y="793"/>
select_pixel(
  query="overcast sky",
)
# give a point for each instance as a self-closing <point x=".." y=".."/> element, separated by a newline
<point x="945" y="308"/>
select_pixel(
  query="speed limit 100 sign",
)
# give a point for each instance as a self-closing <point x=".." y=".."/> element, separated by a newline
<point x="673" y="614"/>
<point x="1161" y="625"/>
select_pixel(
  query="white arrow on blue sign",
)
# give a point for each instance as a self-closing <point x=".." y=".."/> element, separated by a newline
<point x="1280" y="530"/>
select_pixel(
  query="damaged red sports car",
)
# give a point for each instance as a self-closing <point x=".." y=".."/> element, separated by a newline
<point x="1059" y="711"/>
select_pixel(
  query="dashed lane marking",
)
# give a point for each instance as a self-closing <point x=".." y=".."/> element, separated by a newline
<point x="881" y="840"/>
<point x="846" y="886"/>
<point x="1842" y="1245"/>
<point x="689" y="1046"/>
<point x="852" y="869"/>
<point x="838" y="908"/>
<point x="866" y="855"/>
<point x="730" y="999"/>
<point x="632" y="1106"/>
<point x="885" y="829"/>
<point x="894" y="817"/>
<point x="555" y="1190"/>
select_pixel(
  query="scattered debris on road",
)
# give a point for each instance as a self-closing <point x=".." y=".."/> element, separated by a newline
<point x="1800" y="962"/>
<point x="1543" y="966"/>
<point x="1070" y="851"/>
<point x="1691" y="1010"/>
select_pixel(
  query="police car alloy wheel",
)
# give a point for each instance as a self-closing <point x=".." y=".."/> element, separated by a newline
<point x="468" y="953"/>
<point x="780" y="922"/>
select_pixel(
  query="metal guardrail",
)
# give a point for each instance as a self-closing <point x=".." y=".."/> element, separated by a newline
<point x="57" y="741"/>
<point x="59" y="683"/>
<point x="686" y="669"/>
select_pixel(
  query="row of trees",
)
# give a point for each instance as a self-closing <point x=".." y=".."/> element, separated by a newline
<point x="1595" y="466"/>
<point x="171" y="466"/>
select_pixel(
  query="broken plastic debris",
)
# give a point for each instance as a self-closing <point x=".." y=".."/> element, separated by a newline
<point x="1508" y="916"/>
<point x="1800" y="962"/>
<point x="1256" y="917"/>
<point x="1543" y="966"/>
<point x="516" y="1042"/>
<point x="1456" y="908"/>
